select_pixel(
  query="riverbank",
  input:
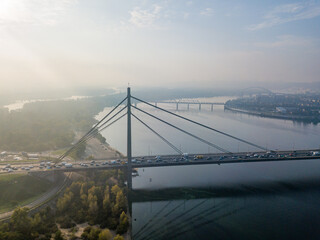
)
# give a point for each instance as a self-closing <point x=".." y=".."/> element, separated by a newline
<point x="273" y="115"/>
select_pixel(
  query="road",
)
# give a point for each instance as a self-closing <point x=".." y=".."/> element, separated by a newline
<point x="168" y="160"/>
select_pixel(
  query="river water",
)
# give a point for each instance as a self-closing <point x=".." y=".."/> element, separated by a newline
<point x="272" y="201"/>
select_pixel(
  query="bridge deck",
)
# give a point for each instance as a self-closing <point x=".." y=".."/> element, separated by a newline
<point x="184" y="163"/>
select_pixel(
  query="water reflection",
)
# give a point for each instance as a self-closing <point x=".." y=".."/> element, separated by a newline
<point x="278" y="214"/>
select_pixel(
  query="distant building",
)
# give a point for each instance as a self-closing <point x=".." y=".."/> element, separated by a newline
<point x="281" y="110"/>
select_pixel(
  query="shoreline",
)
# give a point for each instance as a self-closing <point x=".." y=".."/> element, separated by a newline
<point x="275" y="116"/>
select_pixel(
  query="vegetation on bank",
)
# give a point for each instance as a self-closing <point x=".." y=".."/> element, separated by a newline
<point x="51" y="125"/>
<point x="18" y="189"/>
<point x="98" y="199"/>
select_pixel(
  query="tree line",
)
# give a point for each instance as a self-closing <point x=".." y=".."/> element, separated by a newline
<point x="99" y="199"/>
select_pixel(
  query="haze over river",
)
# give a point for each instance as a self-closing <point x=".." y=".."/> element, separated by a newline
<point x="290" y="210"/>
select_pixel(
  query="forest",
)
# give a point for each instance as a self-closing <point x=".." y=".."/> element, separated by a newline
<point x="98" y="199"/>
<point x="50" y="125"/>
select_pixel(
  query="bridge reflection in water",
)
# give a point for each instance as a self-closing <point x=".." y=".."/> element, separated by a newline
<point x="275" y="211"/>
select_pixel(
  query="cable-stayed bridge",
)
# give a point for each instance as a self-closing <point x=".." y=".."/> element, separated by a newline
<point x="124" y="108"/>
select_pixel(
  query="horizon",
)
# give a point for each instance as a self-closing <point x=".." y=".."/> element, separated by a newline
<point x="73" y="43"/>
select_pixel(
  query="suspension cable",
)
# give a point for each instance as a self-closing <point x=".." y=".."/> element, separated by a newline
<point x="202" y="125"/>
<point x="190" y="134"/>
<point x="162" y="138"/>
<point x="96" y="132"/>
<point x="93" y="128"/>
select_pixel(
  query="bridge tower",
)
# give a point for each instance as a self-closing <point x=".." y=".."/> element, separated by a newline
<point x="129" y="145"/>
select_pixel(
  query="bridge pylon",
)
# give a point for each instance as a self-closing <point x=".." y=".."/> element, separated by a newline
<point x="129" y="144"/>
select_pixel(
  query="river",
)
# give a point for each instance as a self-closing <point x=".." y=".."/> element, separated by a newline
<point x="276" y="200"/>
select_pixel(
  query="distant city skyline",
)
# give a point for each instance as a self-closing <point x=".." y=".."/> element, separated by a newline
<point x="66" y="43"/>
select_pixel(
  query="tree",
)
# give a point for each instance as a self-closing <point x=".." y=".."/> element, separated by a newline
<point x="105" y="235"/>
<point x="58" y="236"/>
<point x="120" y="204"/>
<point x="106" y="201"/>
<point x="118" y="237"/>
<point x="114" y="190"/>
<point x="64" y="202"/>
<point x="21" y="223"/>
<point x="123" y="223"/>
<point x="94" y="233"/>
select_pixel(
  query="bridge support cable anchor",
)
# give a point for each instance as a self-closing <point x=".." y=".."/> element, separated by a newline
<point x="100" y="130"/>
<point x="156" y="133"/>
<point x="184" y="131"/>
<point x="202" y="125"/>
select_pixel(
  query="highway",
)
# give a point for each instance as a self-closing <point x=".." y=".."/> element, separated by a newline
<point x="162" y="161"/>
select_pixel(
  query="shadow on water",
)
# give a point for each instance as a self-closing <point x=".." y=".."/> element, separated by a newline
<point x="281" y="210"/>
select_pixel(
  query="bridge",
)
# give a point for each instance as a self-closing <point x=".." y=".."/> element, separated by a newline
<point x="188" y="103"/>
<point x="177" y="160"/>
<point x="124" y="108"/>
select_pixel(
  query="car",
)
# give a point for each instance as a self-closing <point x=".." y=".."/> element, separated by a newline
<point x="209" y="158"/>
<point x="149" y="161"/>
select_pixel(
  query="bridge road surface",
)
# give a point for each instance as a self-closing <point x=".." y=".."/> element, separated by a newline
<point x="172" y="160"/>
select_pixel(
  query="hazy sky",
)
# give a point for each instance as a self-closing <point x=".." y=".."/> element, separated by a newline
<point x="61" y="43"/>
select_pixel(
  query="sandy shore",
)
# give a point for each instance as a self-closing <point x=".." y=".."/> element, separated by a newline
<point x="101" y="151"/>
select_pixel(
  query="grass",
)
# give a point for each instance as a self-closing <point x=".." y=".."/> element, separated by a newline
<point x="59" y="152"/>
<point x="20" y="189"/>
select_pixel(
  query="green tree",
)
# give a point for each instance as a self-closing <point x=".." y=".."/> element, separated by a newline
<point x="120" y="204"/>
<point x="21" y="223"/>
<point x="58" y="236"/>
<point x="94" y="233"/>
<point x="65" y="201"/>
<point x="118" y="237"/>
<point x="123" y="223"/>
<point x="114" y="190"/>
<point x="105" y="235"/>
<point x="107" y="202"/>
